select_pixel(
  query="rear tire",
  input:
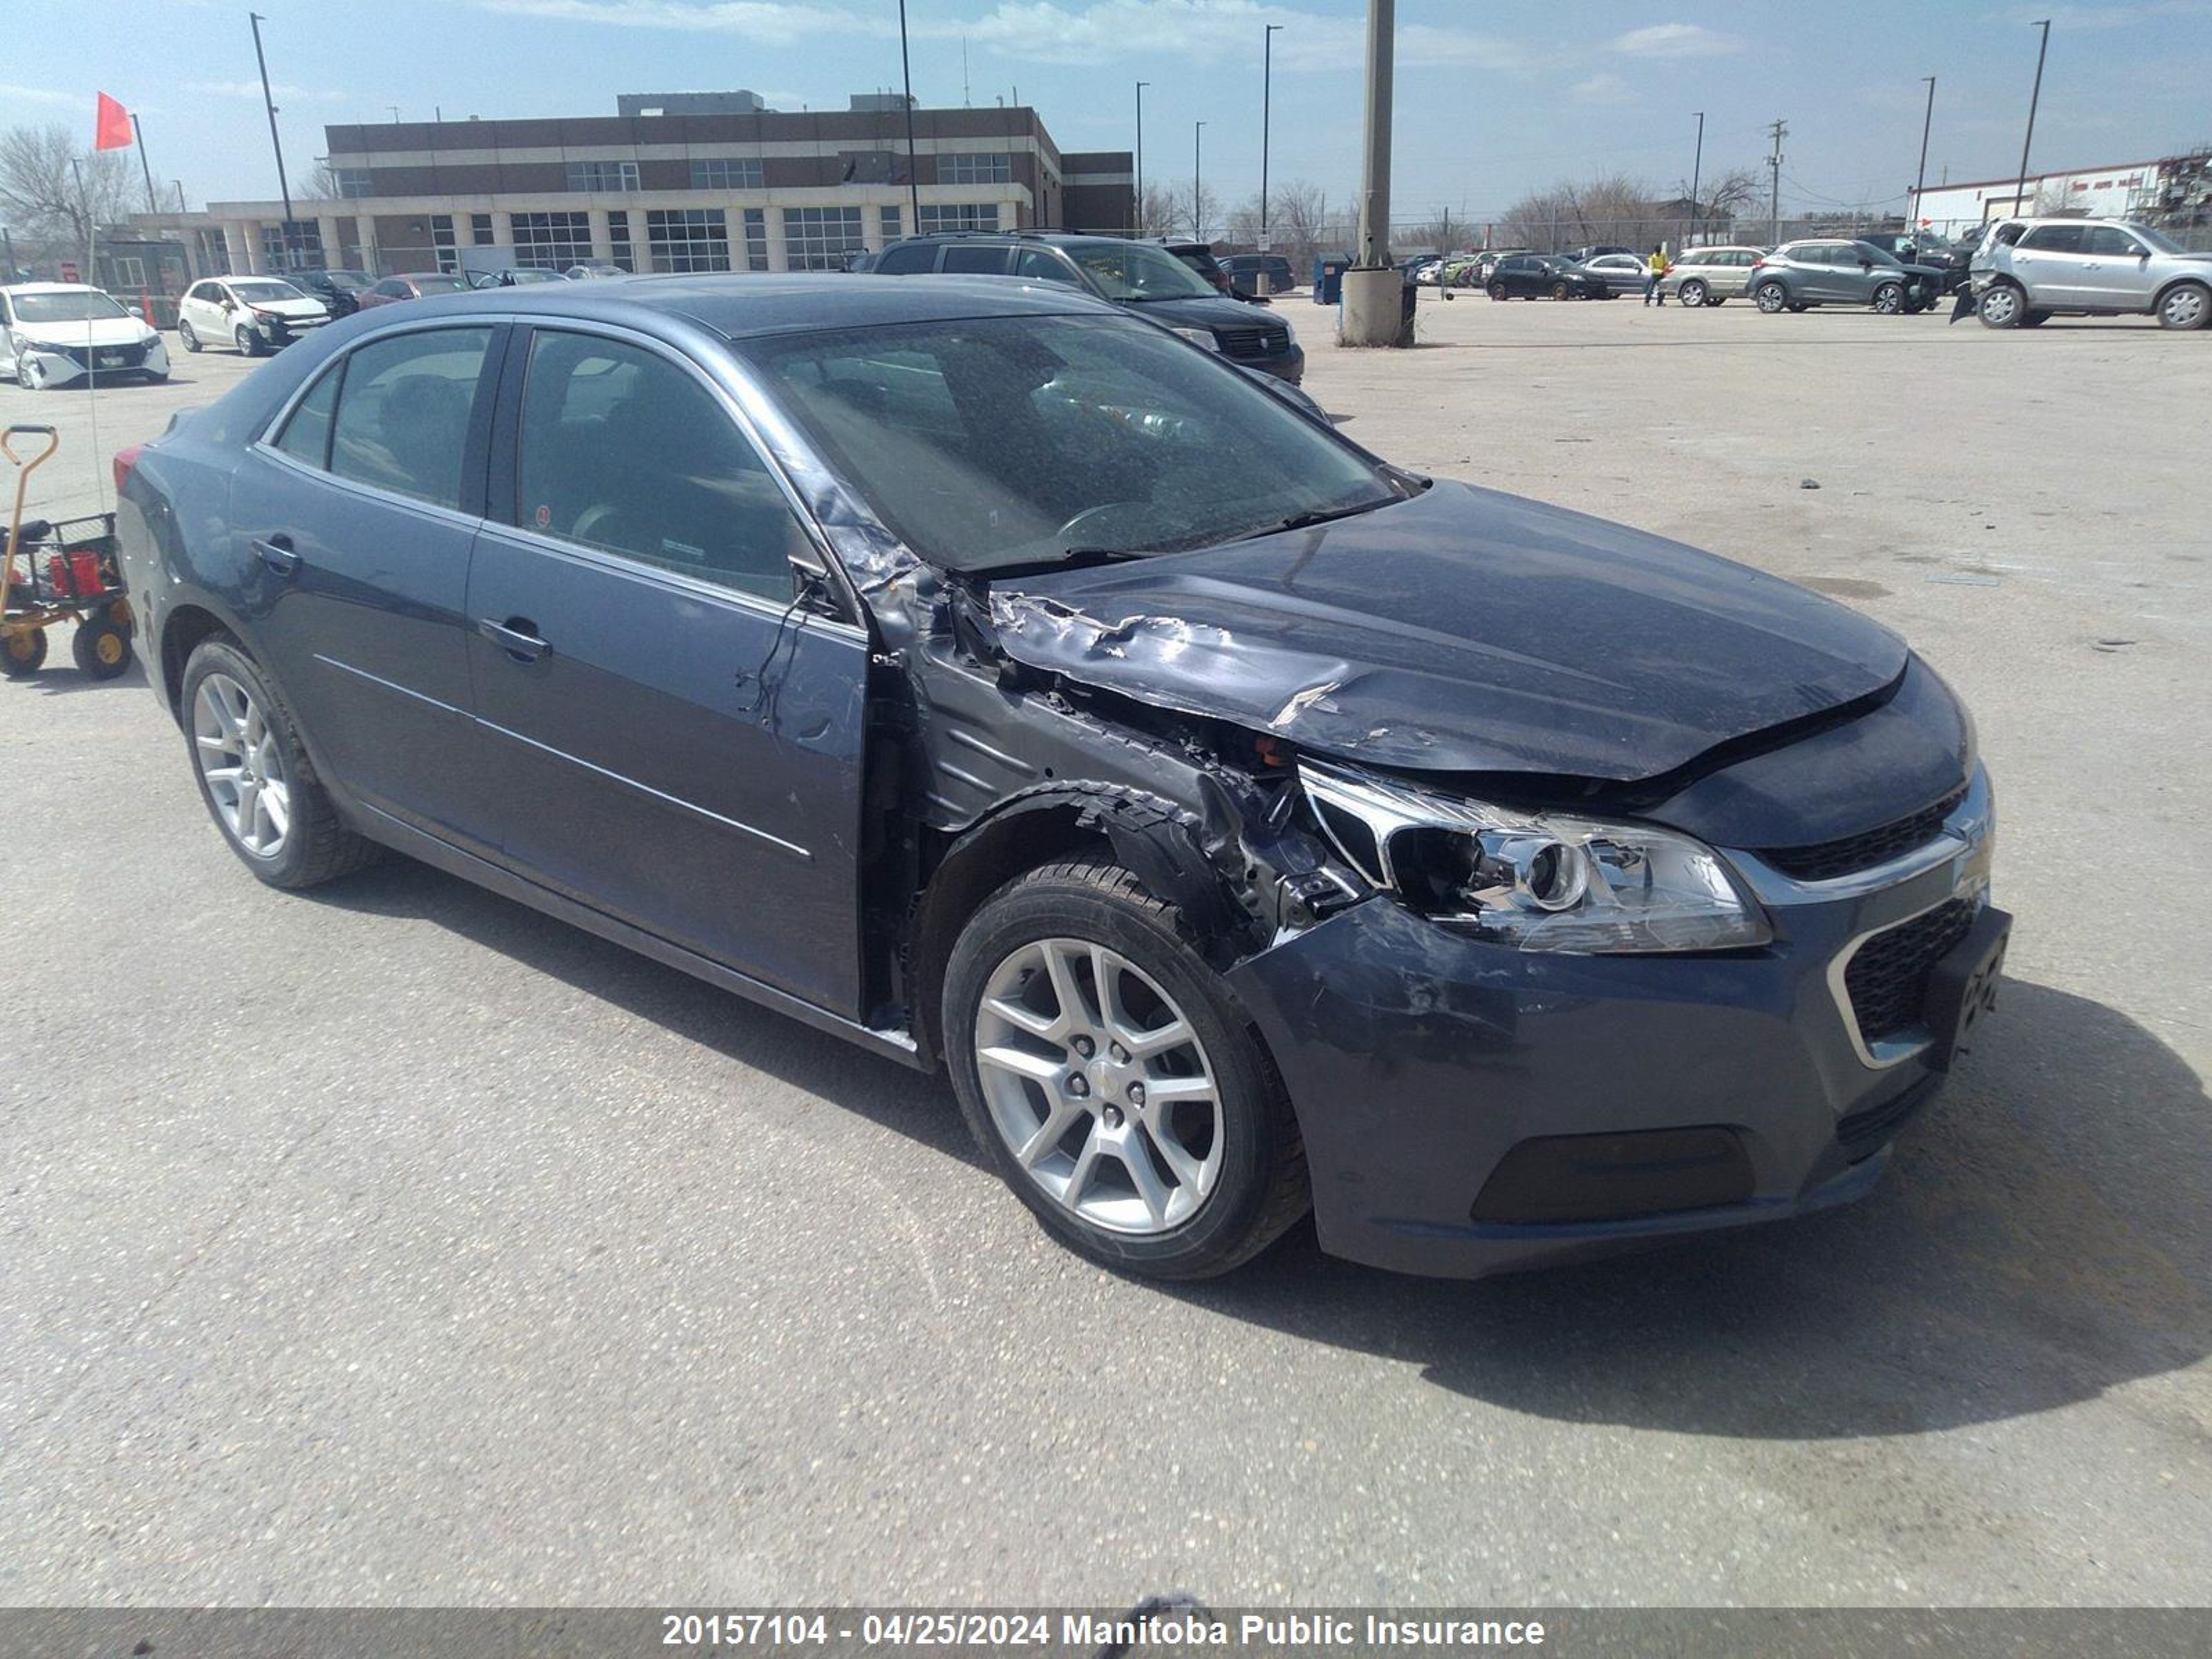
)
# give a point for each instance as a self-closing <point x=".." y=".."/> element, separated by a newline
<point x="21" y="655"/>
<point x="2185" y="306"/>
<point x="189" y="340"/>
<point x="102" y="647"/>
<point x="1187" y="1191"/>
<point x="1773" y="299"/>
<point x="243" y="745"/>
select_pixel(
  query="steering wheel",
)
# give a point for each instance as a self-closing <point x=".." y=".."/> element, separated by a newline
<point x="1066" y="534"/>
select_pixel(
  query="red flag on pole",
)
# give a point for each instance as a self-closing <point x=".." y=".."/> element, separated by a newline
<point x="111" y="128"/>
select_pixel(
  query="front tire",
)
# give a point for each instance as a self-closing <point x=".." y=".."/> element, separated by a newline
<point x="255" y="777"/>
<point x="2002" y="306"/>
<point x="1497" y="290"/>
<point x="1112" y="1082"/>
<point x="2186" y="306"/>
<point x="1773" y="298"/>
<point x="1694" y="293"/>
<point x="248" y="342"/>
<point x="1889" y="299"/>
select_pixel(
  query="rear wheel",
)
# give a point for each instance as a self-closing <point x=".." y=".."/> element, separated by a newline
<point x="102" y="647"/>
<point x="190" y="340"/>
<point x="2186" y="306"/>
<point x="2002" y="306"/>
<point x="1112" y="1082"/>
<point x="23" y="654"/>
<point x="1773" y="298"/>
<point x="1694" y="293"/>
<point x="255" y="775"/>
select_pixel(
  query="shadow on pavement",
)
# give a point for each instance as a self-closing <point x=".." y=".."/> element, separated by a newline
<point x="2038" y="1241"/>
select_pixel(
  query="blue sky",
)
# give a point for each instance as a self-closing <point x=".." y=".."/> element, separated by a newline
<point x="1493" y="98"/>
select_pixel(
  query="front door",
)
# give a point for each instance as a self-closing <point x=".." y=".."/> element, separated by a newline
<point x="2116" y="269"/>
<point x="356" y="517"/>
<point x="677" y="735"/>
<point x="2053" y="261"/>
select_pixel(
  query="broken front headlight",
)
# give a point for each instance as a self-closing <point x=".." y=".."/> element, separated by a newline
<point x="1543" y="881"/>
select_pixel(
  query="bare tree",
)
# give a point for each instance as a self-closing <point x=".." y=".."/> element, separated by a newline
<point x="1198" y="214"/>
<point x="1726" y="197"/>
<point x="1158" y="210"/>
<point x="319" y="184"/>
<point x="1297" y="219"/>
<point x="50" y="200"/>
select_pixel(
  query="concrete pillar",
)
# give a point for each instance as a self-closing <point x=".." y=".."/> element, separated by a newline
<point x="371" y="260"/>
<point x="241" y="241"/>
<point x="603" y="235"/>
<point x="326" y="226"/>
<point x="502" y="228"/>
<point x="779" y="256"/>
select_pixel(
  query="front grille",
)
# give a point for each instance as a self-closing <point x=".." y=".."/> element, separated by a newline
<point x="1826" y="860"/>
<point x="102" y="357"/>
<point x="1253" y="342"/>
<point x="1887" y="979"/>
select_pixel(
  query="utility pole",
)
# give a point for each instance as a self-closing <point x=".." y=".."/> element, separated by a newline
<point x="2020" y="202"/>
<point x="913" y="178"/>
<point x="1197" y="182"/>
<point x="274" y="143"/>
<point x="1137" y="212"/>
<point x="1374" y="288"/>
<point x="152" y="205"/>
<point x="1697" y="175"/>
<point x="1778" y="131"/>
<point x="1267" y="113"/>
<point x="1920" y="179"/>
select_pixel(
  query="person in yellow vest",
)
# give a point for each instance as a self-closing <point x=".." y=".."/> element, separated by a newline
<point x="1655" y="268"/>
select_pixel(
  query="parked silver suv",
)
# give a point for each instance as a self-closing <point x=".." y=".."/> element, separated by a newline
<point x="1711" y="276"/>
<point x="2031" y="269"/>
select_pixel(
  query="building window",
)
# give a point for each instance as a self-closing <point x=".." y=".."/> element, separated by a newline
<point x="480" y="229"/>
<point x="820" y="238"/>
<point x="305" y="253"/>
<point x="442" y="239"/>
<point x="552" y="241"/>
<point x="602" y="175"/>
<point x="888" y="219"/>
<point x="352" y="181"/>
<point x="688" y="238"/>
<point x="958" y="216"/>
<point x="974" y="169"/>
<point x="727" y="172"/>
<point x="618" y="248"/>
<point x="755" y="238"/>
<point x="870" y="166"/>
<point x="213" y="251"/>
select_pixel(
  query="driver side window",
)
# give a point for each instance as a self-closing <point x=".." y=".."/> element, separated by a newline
<point x="625" y="452"/>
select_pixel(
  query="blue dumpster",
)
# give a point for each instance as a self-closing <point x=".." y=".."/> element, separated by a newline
<point x="1329" y="278"/>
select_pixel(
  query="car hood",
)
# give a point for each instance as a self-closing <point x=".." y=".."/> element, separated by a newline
<point x="300" y="307"/>
<point x="1461" y="630"/>
<point x="1223" y="313"/>
<point x="105" y="332"/>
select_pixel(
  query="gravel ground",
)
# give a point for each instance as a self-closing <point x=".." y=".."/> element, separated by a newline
<point x="395" y="1244"/>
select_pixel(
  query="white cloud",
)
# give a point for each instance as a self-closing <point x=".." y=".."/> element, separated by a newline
<point x="45" y="95"/>
<point x="282" y="91"/>
<point x="1601" y="89"/>
<point x="772" y="22"/>
<point x="1675" y="40"/>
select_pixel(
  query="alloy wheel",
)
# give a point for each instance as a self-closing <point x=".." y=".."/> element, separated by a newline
<point x="1692" y="294"/>
<point x="241" y="761"/>
<point x="1096" y="1082"/>
<point x="2000" y="306"/>
<point x="2186" y="307"/>
<point x="1888" y="299"/>
<point x="1773" y="298"/>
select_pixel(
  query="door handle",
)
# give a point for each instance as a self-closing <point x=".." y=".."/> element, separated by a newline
<point x="277" y="552"/>
<point x="517" y="636"/>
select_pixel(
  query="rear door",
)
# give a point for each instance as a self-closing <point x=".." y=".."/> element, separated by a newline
<point x="2053" y="260"/>
<point x="675" y="726"/>
<point x="357" y="513"/>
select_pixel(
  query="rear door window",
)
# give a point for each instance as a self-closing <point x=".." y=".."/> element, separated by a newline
<point x="2055" y="239"/>
<point x="907" y="258"/>
<point x="962" y="260"/>
<point x="1038" y="266"/>
<point x="625" y="452"/>
<point x="402" y="421"/>
<point x="306" y="434"/>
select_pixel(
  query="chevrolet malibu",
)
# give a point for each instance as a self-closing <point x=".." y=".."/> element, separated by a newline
<point x="984" y="674"/>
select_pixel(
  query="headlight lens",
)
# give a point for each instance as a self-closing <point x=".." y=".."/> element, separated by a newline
<point x="1200" y="336"/>
<point x="1543" y="881"/>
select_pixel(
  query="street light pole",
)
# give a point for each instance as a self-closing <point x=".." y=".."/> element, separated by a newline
<point x="2033" y="98"/>
<point x="1696" y="176"/>
<point x="1920" y="179"/>
<point x="1137" y="212"/>
<point x="1266" y="115"/>
<point x="913" y="178"/>
<point x="144" y="166"/>
<point x="274" y="143"/>
<point x="1198" y="181"/>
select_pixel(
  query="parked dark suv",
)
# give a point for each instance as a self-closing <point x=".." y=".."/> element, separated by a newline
<point x="1143" y="275"/>
<point x="970" y="671"/>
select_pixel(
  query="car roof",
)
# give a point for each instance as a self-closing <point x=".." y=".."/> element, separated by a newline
<point x="739" y="305"/>
<point x="51" y="288"/>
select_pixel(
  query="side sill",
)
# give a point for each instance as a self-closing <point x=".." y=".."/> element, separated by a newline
<point x="417" y="844"/>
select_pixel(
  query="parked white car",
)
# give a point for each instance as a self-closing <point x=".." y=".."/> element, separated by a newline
<point x="54" y="333"/>
<point x="256" y="315"/>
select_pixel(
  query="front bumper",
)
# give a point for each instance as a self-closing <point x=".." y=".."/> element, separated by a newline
<point x="61" y="365"/>
<point x="1436" y="1076"/>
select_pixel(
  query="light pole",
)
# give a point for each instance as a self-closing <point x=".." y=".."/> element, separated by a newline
<point x="1137" y="212"/>
<point x="1374" y="289"/>
<point x="1266" y="115"/>
<point x="2021" y="191"/>
<point x="1920" y="179"/>
<point x="1197" y="181"/>
<point x="1696" y="176"/>
<point x="144" y="166"/>
<point x="274" y="143"/>
<point x="913" y="178"/>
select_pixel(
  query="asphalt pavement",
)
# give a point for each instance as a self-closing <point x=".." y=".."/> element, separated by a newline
<point x="395" y="1244"/>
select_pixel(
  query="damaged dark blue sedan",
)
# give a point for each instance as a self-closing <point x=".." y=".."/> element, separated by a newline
<point x="985" y="675"/>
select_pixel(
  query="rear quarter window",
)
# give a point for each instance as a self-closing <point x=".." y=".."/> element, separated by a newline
<point x="402" y="421"/>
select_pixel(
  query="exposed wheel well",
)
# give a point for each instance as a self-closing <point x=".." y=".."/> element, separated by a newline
<point x="2179" y="282"/>
<point x="187" y="626"/>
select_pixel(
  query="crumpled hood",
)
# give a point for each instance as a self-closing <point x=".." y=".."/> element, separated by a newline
<point x="101" y="331"/>
<point x="1461" y="631"/>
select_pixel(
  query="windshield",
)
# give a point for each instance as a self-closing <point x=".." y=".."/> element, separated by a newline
<point x="82" y="308"/>
<point x="253" y="293"/>
<point x="436" y="284"/>
<point x="1022" y="441"/>
<point x="1123" y="270"/>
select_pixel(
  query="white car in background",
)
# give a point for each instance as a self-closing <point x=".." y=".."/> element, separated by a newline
<point x="256" y="315"/>
<point x="55" y="333"/>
